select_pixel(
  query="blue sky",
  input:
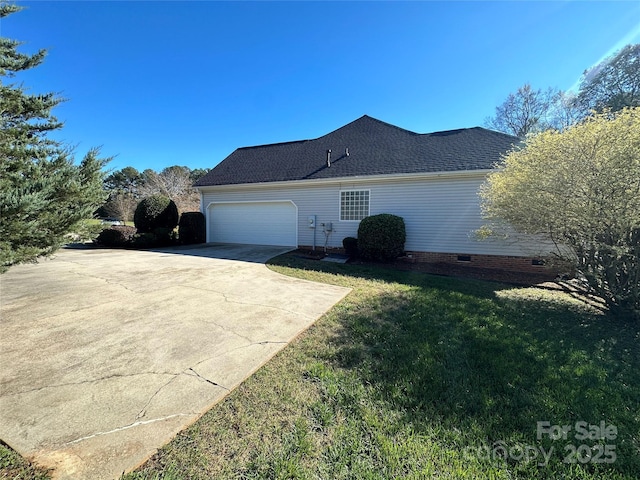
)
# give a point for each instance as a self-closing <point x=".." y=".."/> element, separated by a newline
<point x="165" y="83"/>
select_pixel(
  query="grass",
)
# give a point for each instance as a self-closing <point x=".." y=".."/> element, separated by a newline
<point x="419" y="376"/>
<point x="14" y="467"/>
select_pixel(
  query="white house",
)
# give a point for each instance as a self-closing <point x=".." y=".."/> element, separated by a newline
<point x="313" y="193"/>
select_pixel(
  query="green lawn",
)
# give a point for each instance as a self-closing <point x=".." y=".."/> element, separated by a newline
<point x="14" y="467"/>
<point x="419" y="376"/>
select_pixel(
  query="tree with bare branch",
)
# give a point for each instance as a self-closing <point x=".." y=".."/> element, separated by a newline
<point x="174" y="182"/>
<point x="525" y="111"/>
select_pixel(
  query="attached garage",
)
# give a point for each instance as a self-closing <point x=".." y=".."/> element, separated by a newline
<point x="258" y="223"/>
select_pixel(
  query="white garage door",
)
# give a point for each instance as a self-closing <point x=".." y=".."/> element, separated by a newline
<point x="258" y="223"/>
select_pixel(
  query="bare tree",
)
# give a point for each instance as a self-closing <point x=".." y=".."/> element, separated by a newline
<point x="173" y="182"/>
<point x="566" y="111"/>
<point x="121" y="205"/>
<point x="525" y="111"/>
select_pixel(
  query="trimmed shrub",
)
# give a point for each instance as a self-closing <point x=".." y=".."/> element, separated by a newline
<point x="160" y="237"/>
<point x="156" y="211"/>
<point x="381" y="237"/>
<point x="165" y="237"/>
<point x="145" y="240"/>
<point x="118" y="236"/>
<point x="191" y="228"/>
<point x="350" y="245"/>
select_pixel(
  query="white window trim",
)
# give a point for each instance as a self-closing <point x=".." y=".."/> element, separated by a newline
<point x="340" y="203"/>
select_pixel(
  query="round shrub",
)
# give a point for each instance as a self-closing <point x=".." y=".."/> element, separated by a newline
<point x="156" y="211"/>
<point x="350" y="245"/>
<point x="191" y="228"/>
<point x="381" y="237"/>
<point x="118" y="236"/>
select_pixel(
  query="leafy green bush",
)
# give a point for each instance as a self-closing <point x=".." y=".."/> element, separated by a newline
<point x="156" y="211"/>
<point x="145" y="240"/>
<point x="350" y="245"/>
<point x="381" y="237"/>
<point x="85" y="231"/>
<point x="160" y="237"/>
<point x="191" y="228"/>
<point x="164" y="236"/>
<point x="118" y="236"/>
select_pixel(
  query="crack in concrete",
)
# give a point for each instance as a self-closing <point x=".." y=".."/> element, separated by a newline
<point x="82" y="382"/>
<point x="264" y="342"/>
<point x="273" y="307"/>
<point x="231" y="330"/>
<point x="206" y="379"/>
<point x="106" y="280"/>
<point x="143" y="411"/>
<point x="126" y="427"/>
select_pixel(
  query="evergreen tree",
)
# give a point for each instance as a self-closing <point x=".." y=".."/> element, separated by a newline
<point x="44" y="194"/>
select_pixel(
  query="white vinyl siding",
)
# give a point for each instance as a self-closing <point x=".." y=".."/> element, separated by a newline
<point x="441" y="213"/>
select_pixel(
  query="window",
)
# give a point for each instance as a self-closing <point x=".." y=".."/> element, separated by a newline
<point x="354" y="205"/>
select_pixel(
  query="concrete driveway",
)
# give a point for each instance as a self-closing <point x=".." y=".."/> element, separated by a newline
<point x="106" y="354"/>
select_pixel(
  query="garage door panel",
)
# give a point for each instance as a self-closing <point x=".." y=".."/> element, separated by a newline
<point x="259" y="223"/>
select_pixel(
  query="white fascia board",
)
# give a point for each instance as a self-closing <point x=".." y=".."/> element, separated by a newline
<point x="354" y="179"/>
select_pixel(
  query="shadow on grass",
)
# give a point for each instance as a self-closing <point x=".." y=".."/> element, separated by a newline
<point x="491" y="361"/>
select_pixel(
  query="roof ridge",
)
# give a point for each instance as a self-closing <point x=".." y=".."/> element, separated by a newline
<point x="367" y="117"/>
<point x="389" y="124"/>
<point x="480" y="129"/>
<point x="497" y="132"/>
<point x="277" y="144"/>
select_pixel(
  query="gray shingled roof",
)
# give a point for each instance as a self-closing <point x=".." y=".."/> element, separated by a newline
<point x="375" y="148"/>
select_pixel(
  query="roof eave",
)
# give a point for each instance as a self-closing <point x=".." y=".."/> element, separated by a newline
<point x="354" y="179"/>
